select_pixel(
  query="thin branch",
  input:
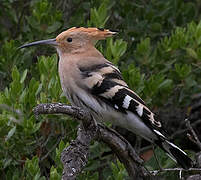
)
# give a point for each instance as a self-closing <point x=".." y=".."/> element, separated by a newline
<point x="197" y="141"/>
<point x="184" y="130"/>
<point x="53" y="148"/>
<point x="156" y="172"/>
<point x="146" y="148"/>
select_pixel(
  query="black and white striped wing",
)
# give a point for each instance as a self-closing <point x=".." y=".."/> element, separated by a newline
<point x="105" y="82"/>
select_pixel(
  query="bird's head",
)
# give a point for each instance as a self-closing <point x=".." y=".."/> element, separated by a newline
<point x="75" y="38"/>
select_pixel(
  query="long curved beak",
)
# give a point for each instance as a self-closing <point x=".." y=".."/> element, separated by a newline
<point x="48" y="41"/>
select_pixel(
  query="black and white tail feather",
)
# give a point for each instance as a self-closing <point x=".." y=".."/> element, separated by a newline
<point x="173" y="151"/>
<point x="110" y="99"/>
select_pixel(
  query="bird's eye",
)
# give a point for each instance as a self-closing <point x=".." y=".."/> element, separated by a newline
<point x="69" y="39"/>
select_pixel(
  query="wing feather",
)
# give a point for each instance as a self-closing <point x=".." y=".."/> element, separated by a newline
<point x="105" y="82"/>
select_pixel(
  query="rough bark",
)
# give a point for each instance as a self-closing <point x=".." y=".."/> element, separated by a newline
<point x="75" y="156"/>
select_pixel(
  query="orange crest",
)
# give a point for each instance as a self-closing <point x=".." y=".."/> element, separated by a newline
<point x="89" y="33"/>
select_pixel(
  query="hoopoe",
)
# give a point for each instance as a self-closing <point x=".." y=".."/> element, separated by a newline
<point x="93" y="83"/>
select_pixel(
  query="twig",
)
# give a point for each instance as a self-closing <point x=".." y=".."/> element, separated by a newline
<point x="155" y="172"/>
<point x="142" y="150"/>
<point x="185" y="130"/>
<point x="193" y="133"/>
<point x="191" y="138"/>
<point x="180" y="174"/>
<point x="53" y="147"/>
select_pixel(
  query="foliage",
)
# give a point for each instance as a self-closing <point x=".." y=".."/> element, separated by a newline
<point x="158" y="51"/>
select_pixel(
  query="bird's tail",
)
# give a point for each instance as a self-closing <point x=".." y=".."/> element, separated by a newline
<point x="175" y="153"/>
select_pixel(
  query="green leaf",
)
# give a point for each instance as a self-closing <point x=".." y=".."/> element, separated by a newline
<point x="54" y="175"/>
<point x="99" y="17"/>
<point x="54" y="27"/>
<point x="32" y="166"/>
<point x="10" y="133"/>
<point x="144" y="47"/>
<point x="165" y="84"/>
<point x="7" y="162"/>
<point x="163" y="159"/>
<point x="183" y="70"/>
<point x="191" y="52"/>
<point x="36" y="127"/>
<point x="23" y="96"/>
<point x="23" y="76"/>
<point x="15" y="74"/>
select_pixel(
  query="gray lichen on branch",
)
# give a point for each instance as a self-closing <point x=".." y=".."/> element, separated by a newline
<point x="75" y="156"/>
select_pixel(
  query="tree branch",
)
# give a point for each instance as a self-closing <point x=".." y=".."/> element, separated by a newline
<point x="197" y="141"/>
<point x="180" y="170"/>
<point x="75" y="156"/>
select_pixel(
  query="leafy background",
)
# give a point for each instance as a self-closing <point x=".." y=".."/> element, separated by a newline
<point x="158" y="51"/>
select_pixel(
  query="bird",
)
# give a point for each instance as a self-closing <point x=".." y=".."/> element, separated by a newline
<point x="92" y="82"/>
